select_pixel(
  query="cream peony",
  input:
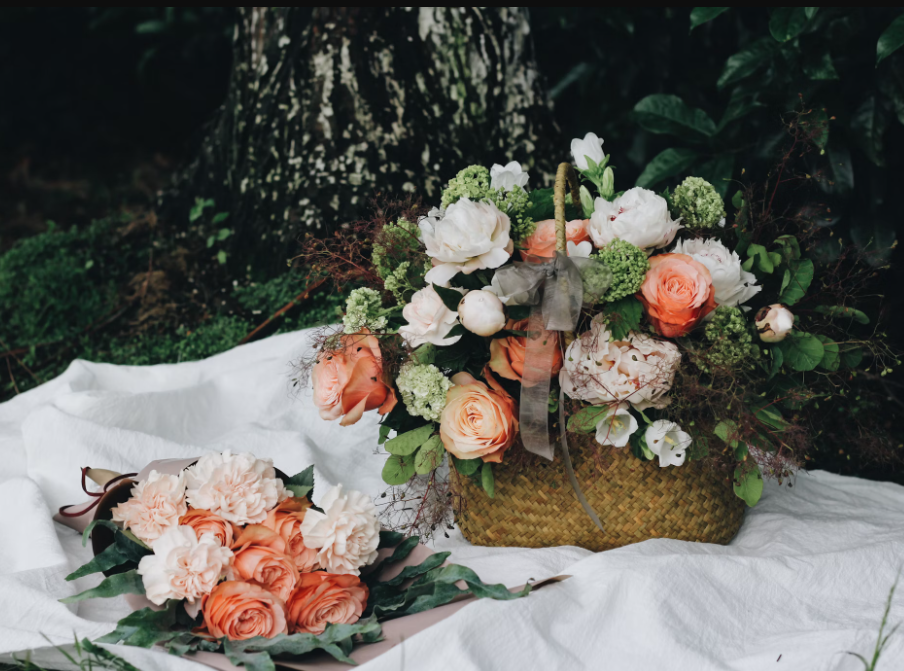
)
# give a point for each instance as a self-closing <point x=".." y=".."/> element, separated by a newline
<point x="508" y="177"/>
<point x="667" y="441"/>
<point x="469" y="236"/>
<point x="638" y="216"/>
<point x="639" y="370"/>
<point x="346" y="533"/>
<point x="239" y="488"/>
<point x="481" y="312"/>
<point x="733" y="285"/>
<point x="156" y="505"/>
<point x="184" y="567"/>
<point x="591" y="146"/>
<point x="774" y="322"/>
<point x="616" y="427"/>
<point x="429" y="320"/>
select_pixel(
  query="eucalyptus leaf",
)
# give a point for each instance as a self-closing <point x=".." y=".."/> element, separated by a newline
<point x="406" y="443"/>
<point x="586" y="419"/>
<point x="666" y="164"/>
<point x="398" y="470"/>
<point x="701" y="15"/>
<point x="661" y="113"/>
<point x="727" y="430"/>
<point x="467" y="466"/>
<point x="121" y="583"/>
<point x="430" y="456"/>
<point x="890" y="40"/>
<point x="802" y="351"/>
<point x="748" y="485"/>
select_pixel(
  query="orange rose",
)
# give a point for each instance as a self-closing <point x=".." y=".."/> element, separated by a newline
<point x="323" y="598"/>
<point x="349" y="380"/>
<point x="507" y="354"/>
<point x="285" y="520"/>
<point x="676" y="293"/>
<point x="478" y="421"/>
<point x="258" y="534"/>
<point x="542" y="242"/>
<point x="243" y="610"/>
<point x="205" y="522"/>
<point x="272" y="570"/>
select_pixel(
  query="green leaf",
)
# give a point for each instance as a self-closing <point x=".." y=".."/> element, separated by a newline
<point x="790" y="247"/>
<point x="623" y="316"/>
<point x="121" y="583"/>
<point x="542" y="205"/>
<point x="586" y="419"/>
<point x="842" y="168"/>
<point x="748" y="485"/>
<point x="211" y="241"/>
<point x="223" y="233"/>
<point x="869" y="124"/>
<point x="302" y="484"/>
<point x="430" y="456"/>
<point x="408" y="442"/>
<point x="409" y="572"/>
<point x="106" y="560"/>
<point x="450" y="297"/>
<point x="398" y="470"/>
<point x="831" y="358"/>
<point x="852" y="357"/>
<point x="221" y="257"/>
<point x="150" y="27"/>
<point x="778" y="358"/>
<point x="661" y="113"/>
<point x="727" y="430"/>
<point x="841" y="312"/>
<point x="817" y="126"/>
<point x="146" y="627"/>
<point x="717" y="172"/>
<point x="89" y="264"/>
<point x="786" y="280"/>
<point x="385" y="430"/>
<point x="389" y="539"/>
<point x="456" y="331"/>
<point x="769" y="415"/>
<point x="747" y="61"/>
<point x="819" y="66"/>
<point x="890" y="40"/>
<point x="801" y="277"/>
<point x="739" y="105"/>
<point x="701" y="15"/>
<point x="802" y="351"/>
<point x="763" y="260"/>
<point x="219" y="218"/>
<point x="586" y="202"/>
<point x="666" y="164"/>
<point x="810" y="12"/>
<point x="466" y="466"/>
<point x="198" y="208"/>
<point x="786" y="23"/>
<point x="487" y="480"/>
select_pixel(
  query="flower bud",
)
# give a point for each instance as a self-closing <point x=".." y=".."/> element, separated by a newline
<point x="607" y="187"/>
<point x="773" y="322"/>
<point x="481" y="312"/>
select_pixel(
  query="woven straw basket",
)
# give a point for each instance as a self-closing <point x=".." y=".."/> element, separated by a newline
<point x="636" y="500"/>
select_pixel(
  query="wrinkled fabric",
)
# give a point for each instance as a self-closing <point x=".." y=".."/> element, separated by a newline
<point x="805" y="580"/>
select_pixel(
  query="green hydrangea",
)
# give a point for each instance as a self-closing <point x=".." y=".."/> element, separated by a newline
<point x="515" y="204"/>
<point x="698" y="203"/>
<point x="364" y="309"/>
<point x="597" y="278"/>
<point x="393" y="243"/>
<point x="629" y="265"/>
<point x="424" y="389"/>
<point x="730" y="340"/>
<point x="473" y="182"/>
<point x="405" y="280"/>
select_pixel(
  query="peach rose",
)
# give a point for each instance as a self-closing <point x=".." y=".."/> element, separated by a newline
<point x="676" y="293"/>
<point x="349" y="380"/>
<point x="272" y="570"/>
<point x="323" y="598"/>
<point x="542" y="242"/>
<point x="205" y="522"/>
<point x="507" y="354"/>
<point x="286" y="521"/>
<point x="478" y="421"/>
<point x="243" y="610"/>
<point x="258" y="534"/>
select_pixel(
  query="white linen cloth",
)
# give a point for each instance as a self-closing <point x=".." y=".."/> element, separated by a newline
<point x="805" y="580"/>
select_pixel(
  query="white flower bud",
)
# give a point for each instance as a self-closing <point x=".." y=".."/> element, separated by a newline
<point x="481" y="312"/>
<point x="774" y="322"/>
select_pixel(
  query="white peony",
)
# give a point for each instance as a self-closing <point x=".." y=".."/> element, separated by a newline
<point x="667" y="441"/>
<point x="481" y="312"/>
<point x="429" y="320"/>
<point x="156" y="505"/>
<point x="733" y="285"/>
<point x="508" y="176"/>
<point x="638" y="216"/>
<point x="616" y="427"/>
<point x="774" y="322"/>
<point x="240" y="488"/>
<point x="184" y="567"/>
<point x="639" y="370"/>
<point x="469" y="236"/>
<point x="346" y="533"/>
<point x="591" y="146"/>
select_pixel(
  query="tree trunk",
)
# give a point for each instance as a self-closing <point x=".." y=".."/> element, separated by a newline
<point x="328" y="106"/>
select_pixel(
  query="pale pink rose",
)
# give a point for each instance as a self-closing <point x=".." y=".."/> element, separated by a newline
<point x="156" y="505"/>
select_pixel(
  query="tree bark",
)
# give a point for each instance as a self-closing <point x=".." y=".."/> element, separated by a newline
<point x="328" y="106"/>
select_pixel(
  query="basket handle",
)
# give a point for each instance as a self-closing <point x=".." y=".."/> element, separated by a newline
<point x="564" y="174"/>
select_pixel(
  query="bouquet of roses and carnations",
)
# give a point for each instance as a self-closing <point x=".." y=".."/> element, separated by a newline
<point x="226" y="554"/>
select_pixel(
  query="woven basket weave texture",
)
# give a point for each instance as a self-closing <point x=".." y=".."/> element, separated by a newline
<point x="636" y="500"/>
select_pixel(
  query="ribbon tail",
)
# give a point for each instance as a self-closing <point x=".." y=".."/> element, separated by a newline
<point x="541" y="347"/>
<point x="569" y="469"/>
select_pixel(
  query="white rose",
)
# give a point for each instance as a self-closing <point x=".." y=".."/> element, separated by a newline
<point x="429" y="320"/>
<point x="508" y="176"/>
<point x="469" y="236"/>
<point x="733" y="285"/>
<point x="184" y="567"/>
<point x="638" y="216"/>
<point x="667" y="441"/>
<point x="156" y="505"/>
<point x="616" y="427"/>
<point x="239" y="488"/>
<point x="591" y="146"/>
<point x="774" y="322"/>
<point x="639" y="370"/>
<point x="346" y="533"/>
<point x="481" y="312"/>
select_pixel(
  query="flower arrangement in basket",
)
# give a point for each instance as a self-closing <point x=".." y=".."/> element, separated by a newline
<point x="640" y="327"/>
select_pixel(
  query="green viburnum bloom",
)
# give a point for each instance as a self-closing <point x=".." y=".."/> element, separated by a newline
<point x="473" y="182"/>
<point x="731" y="343"/>
<point x="698" y="203"/>
<point x="597" y="278"/>
<point x="424" y="389"/>
<point x="629" y="265"/>
<point x="515" y="204"/>
<point x="397" y="237"/>
<point x="364" y="309"/>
